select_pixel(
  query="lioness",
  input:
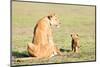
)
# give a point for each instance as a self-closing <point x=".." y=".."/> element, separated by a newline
<point x="42" y="44"/>
<point x="75" y="42"/>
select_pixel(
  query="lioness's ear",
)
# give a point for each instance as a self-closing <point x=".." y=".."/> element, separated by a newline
<point x="49" y="17"/>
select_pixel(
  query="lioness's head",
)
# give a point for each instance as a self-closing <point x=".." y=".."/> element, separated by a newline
<point x="53" y="20"/>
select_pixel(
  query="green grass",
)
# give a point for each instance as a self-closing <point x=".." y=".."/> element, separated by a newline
<point x="73" y="18"/>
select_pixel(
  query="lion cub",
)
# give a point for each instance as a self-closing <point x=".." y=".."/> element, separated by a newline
<point x="75" y="42"/>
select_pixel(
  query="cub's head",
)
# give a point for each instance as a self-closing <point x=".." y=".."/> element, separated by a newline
<point x="74" y="35"/>
<point x="53" y="20"/>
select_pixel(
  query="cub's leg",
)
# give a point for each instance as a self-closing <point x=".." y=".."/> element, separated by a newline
<point x="72" y="47"/>
<point x="77" y="49"/>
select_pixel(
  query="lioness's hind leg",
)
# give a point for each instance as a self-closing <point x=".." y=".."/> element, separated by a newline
<point x="30" y="48"/>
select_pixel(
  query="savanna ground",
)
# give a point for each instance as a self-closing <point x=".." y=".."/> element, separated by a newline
<point x="73" y="18"/>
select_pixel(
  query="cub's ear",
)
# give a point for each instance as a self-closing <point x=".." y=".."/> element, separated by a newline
<point x="71" y="35"/>
<point x="49" y="17"/>
<point x="77" y="34"/>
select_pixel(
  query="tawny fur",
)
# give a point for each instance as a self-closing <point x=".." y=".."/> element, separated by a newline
<point x="42" y="45"/>
<point x="75" y="43"/>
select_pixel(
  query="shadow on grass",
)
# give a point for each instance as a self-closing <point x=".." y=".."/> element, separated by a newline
<point x="17" y="54"/>
<point x="20" y="54"/>
<point x="64" y="50"/>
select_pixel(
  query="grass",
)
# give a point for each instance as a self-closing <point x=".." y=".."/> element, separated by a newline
<point x="73" y="18"/>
